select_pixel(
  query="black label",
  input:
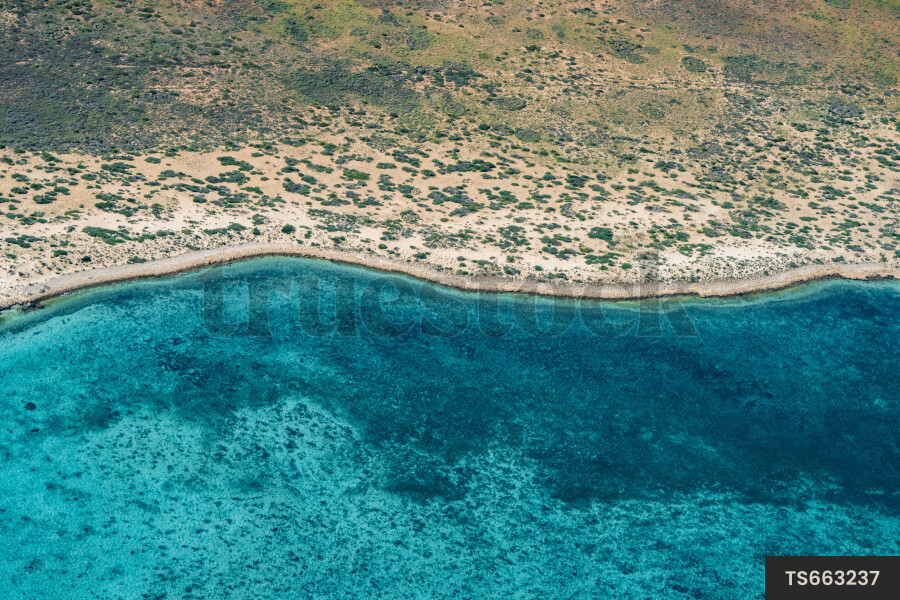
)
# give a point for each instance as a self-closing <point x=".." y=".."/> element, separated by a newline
<point x="832" y="577"/>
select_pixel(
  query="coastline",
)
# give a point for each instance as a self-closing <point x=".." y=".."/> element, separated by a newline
<point x="193" y="260"/>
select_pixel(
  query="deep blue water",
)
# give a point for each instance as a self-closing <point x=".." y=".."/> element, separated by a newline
<point x="170" y="439"/>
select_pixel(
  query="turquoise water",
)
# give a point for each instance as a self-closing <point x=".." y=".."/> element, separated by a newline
<point x="170" y="439"/>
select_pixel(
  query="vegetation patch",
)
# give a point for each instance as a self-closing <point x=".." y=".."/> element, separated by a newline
<point x="693" y="64"/>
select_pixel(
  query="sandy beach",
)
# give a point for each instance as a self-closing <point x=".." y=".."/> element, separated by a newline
<point x="55" y="286"/>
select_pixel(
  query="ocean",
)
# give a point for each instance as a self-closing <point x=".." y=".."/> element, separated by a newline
<point x="291" y="428"/>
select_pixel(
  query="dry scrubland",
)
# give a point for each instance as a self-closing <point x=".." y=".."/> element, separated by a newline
<point x="585" y="142"/>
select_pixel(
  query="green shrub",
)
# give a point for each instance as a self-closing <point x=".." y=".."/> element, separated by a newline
<point x="692" y="64"/>
<point x="601" y="233"/>
<point x="354" y="175"/>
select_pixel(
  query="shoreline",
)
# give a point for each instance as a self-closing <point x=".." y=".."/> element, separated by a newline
<point x="198" y="259"/>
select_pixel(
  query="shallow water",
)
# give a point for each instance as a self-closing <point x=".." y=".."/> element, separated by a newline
<point x="200" y="437"/>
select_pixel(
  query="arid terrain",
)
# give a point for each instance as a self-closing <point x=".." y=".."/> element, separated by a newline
<point x="671" y="145"/>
